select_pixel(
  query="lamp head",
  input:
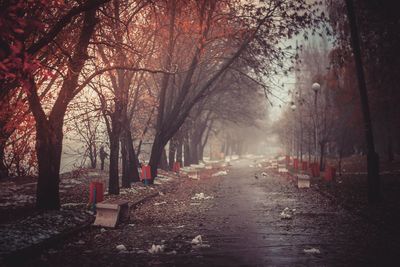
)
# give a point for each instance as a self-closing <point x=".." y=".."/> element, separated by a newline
<point x="316" y="87"/>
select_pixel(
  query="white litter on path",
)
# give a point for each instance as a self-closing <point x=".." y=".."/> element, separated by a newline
<point x="283" y="170"/>
<point x="220" y="173"/>
<point x="264" y="174"/>
<point x="311" y="251"/>
<point x="70" y="205"/>
<point x="156" y="249"/>
<point x="121" y="247"/>
<point x="201" y="196"/>
<point x="287" y="213"/>
<point x="160" y="203"/>
<point x="197" y="240"/>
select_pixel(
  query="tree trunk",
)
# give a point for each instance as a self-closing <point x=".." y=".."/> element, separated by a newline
<point x="130" y="172"/>
<point x="164" y="162"/>
<point x="322" y="155"/>
<point x="113" y="184"/>
<point x="155" y="156"/>
<point x="194" y="155"/>
<point x="48" y="147"/>
<point x="3" y="167"/>
<point x="179" y="151"/>
<point x="201" y="153"/>
<point x="133" y="160"/>
<point x="372" y="156"/>
<point x="125" y="164"/>
<point x="186" y="151"/>
<point x="171" y="153"/>
<point x="93" y="156"/>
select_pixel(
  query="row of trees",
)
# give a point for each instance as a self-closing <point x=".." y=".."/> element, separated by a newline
<point x="157" y="68"/>
<point x="361" y="72"/>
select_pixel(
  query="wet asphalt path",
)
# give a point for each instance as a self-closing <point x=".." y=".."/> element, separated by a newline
<point x="245" y="228"/>
<point x="242" y="227"/>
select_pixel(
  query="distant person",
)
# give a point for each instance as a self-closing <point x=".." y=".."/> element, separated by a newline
<point x="103" y="156"/>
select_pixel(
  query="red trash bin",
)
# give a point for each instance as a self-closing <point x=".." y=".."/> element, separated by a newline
<point x="176" y="167"/>
<point x="146" y="174"/>
<point x="330" y="173"/>
<point x="296" y="164"/>
<point x="96" y="192"/>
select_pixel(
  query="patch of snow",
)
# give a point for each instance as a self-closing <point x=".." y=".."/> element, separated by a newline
<point x="69" y="205"/>
<point x="311" y="251"/>
<point x="201" y="196"/>
<point x="156" y="249"/>
<point x="283" y="170"/>
<point x="220" y="173"/>
<point x="197" y="240"/>
<point x="121" y="247"/>
<point x="125" y="191"/>
<point x="286" y="214"/>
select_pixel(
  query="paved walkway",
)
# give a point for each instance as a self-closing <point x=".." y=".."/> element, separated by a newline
<point x="243" y="227"/>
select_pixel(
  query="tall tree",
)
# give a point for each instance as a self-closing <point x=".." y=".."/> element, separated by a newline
<point x="372" y="156"/>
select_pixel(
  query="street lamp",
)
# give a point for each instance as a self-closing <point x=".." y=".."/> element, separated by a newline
<point x="316" y="87"/>
<point x="293" y="148"/>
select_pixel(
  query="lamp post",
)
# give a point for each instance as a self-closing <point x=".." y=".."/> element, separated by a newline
<point x="293" y="108"/>
<point x="316" y="87"/>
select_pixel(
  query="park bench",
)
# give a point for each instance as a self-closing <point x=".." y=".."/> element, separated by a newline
<point x="111" y="212"/>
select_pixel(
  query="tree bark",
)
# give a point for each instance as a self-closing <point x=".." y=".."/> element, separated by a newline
<point x="3" y="167"/>
<point x="113" y="184"/>
<point x="372" y="156"/>
<point x="194" y="155"/>
<point x="48" y="148"/>
<point x="179" y="151"/>
<point x="201" y="153"/>
<point x="133" y="160"/>
<point x="164" y="161"/>
<point x="186" y="152"/>
<point x="93" y="156"/>
<point x="322" y="155"/>
<point x="171" y="153"/>
<point x="125" y="163"/>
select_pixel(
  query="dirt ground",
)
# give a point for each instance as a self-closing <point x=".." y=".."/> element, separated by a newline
<point x="165" y="220"/>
